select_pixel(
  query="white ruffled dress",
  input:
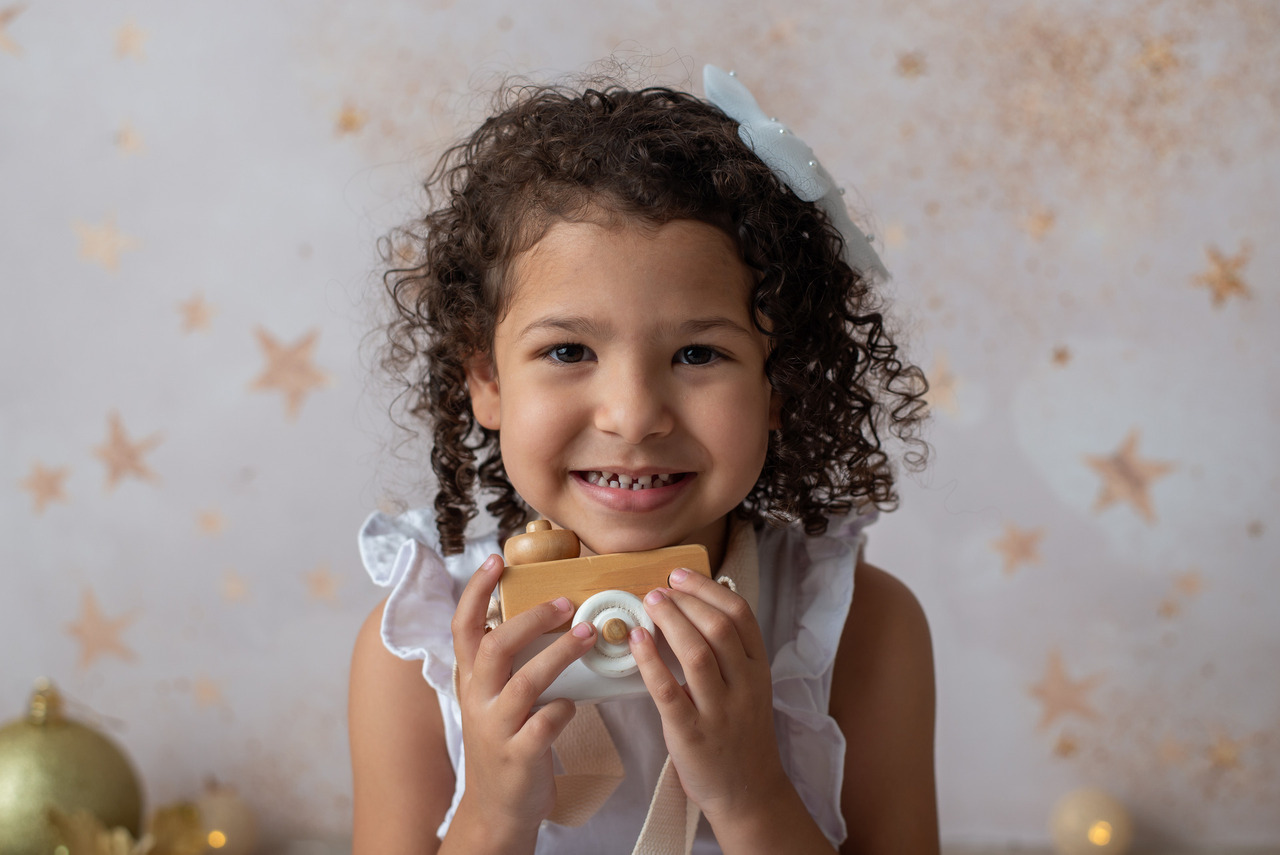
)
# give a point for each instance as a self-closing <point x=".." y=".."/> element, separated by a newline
<point x="806" y="588"/>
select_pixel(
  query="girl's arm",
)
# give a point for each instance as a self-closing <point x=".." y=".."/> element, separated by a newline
<point x="400" y="767"/>
<point x="882" y="696"/>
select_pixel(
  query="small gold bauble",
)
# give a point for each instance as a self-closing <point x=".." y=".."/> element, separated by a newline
<point x="48" y="761"/>
<point x="230" y="827"/>
<point x="1090" y="822"/>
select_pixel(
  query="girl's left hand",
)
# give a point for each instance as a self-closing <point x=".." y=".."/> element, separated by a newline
<point x="719" y="726"/>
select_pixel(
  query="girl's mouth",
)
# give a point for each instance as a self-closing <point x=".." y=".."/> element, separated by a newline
<point x="619" y="481"/>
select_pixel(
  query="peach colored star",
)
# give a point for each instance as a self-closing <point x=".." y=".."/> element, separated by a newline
<point x="1157" y="56"/>
<point x="130" y="40"/>
<point x="103" y="244"/>
<point x="123" y="457"/>
<point x="1223" y="276"/>
<point x="7" y="14"/>
<point x="1039" y="223"/>
<point x="1127" y="478"/>
<point x="1018" y="546"/>
<point x="128" y="140"/>
<point x="207" y="692"/>
<point x="1061" y="356"/>
<point x="45" y="485"/>
<point x="1188" y="584"/>
<point x="196" y="313"/>
<point x="234" y="588"/>
<point x="322" y="584"/>
<point x="351" y="119"/>
<point x="942" y="385"/>
<point x="912" y="65"/>
<point x="210" y="522"/>
<point x="1060" y="695"/>
<point x="98" y="635"/>
<point x="1224" y="753"/>
<point x="289" y="369"/>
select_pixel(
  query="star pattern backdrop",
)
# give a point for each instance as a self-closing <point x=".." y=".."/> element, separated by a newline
<point x="1076" y="201"/>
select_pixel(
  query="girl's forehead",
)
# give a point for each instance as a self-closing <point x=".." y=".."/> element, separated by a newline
<point x="686" y="261"/>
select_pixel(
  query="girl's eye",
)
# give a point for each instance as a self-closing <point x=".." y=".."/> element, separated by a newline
<point x="696" y="354"/>
<point x="568" y="353"/>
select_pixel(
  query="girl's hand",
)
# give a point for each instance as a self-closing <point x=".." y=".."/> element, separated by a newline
<point x="719" y="727"/>
<point x="510" y="786"/>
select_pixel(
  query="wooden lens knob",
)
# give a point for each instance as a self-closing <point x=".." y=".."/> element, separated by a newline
<point x="541" y="542"/>
<point x="614" y="630"/>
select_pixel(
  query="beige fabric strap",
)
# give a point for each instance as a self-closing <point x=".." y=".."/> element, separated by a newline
<point x="592" y="767"/>
<point x="672" y="822"/>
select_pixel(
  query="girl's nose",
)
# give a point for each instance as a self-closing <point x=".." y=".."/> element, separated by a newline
<point x="633" y="406"/>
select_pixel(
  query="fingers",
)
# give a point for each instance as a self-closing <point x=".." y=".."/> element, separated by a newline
<point x="725" y="601"/>
<point x="491" y="667"/>
<point x="671" y="698"/>
<point x="473" y="605"/>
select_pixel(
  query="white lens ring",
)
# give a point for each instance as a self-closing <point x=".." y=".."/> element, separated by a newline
<point x="612" y="659"/>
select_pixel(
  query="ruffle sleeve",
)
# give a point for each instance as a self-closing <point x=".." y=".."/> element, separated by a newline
<point x="400" y="553"/>
<point x="812" y="592"/>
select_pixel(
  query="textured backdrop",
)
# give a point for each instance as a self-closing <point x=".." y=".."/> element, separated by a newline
<point x="1078" y="201"/>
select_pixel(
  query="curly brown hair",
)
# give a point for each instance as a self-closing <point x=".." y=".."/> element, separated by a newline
<point x="554" y="153"/>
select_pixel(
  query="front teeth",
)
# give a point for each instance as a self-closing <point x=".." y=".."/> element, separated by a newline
<point x="618" y="481"/>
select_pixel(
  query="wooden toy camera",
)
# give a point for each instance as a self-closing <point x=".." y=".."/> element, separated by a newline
<point x="605" y="590"/>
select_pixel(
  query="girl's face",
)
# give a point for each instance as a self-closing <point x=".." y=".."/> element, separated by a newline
<point x="627" y="358"/>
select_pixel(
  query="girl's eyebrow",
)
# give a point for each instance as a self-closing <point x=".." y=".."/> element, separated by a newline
<point x="582" y="327"/>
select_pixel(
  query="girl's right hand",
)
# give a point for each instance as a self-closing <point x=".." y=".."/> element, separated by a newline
<point x="510" y="787"/>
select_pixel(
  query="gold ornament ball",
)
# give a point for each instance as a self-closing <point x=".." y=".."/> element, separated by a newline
<point x="49" y="761"/>
<point x="229" y="824"/>
<point x="1090" y="822"/>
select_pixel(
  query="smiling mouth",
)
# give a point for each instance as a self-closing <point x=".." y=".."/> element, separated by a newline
<point x="619" y="481"/>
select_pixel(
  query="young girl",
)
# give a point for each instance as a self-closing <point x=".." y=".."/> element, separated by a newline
<point x="641" y="317"/>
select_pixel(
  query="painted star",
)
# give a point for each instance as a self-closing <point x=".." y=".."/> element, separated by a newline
<point x="123" y="457"/>
<point x="322" y="584"/>
<point x="1039" y="223"/>
<point x="1127" y="478"/>
<point x="289" y="369"/>
<point x="350" y="119"/>
<point x="942" y="385"/>
<point x="1223" y="276"/>
<point x="1224" y="754"/>
<point x="911" y="65"/>
<point x="1061" y="356"/>
<point x="129" y="41"/>
<point x="1188" y="584"/>
<point x="234" y="588"/>
<point x="98" y="635"/>
<point x="207" y="692"/>
<point x="210" y="522"/>
<point x="1018" y="546"/>
<point x="103" y="244"/>
<point x="1157" y="56"/>
<point x="7" y="44"/>
<point x="1061" y="695"/>
<point x="196" y="313"/>
<point x="45" y="485"/>
<point x="128" y="140"/>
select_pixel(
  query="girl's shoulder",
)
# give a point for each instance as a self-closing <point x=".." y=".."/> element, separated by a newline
<point x="401" y="554"/>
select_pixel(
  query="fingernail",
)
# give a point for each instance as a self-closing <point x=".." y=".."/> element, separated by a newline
<point x="679" y="574"/>
<point x="637" y="635"/>
<point x="493" y="562"/>
<point x="562" y="604"/>
<point x="583" y="630"/>
<point x="654" y="597"/>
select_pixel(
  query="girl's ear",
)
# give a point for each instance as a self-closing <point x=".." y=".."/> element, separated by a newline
<point x="482" y="387"/>
<point x="775" y="411"/>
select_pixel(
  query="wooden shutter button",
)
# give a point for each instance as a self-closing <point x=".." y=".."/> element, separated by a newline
<point x="614" y="630"/>
<point x="541" y="542"/>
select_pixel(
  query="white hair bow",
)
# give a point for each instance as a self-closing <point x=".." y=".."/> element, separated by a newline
<point x="792" y="161"/>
